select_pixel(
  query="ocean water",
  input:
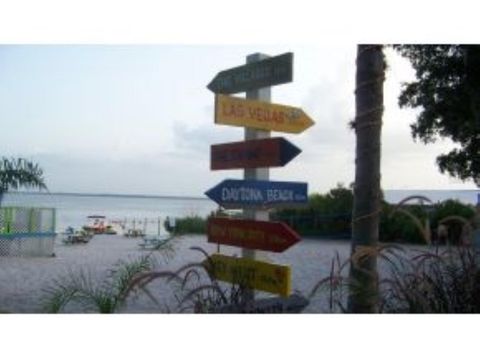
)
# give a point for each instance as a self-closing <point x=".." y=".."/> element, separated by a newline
<point x="73" y="210"/>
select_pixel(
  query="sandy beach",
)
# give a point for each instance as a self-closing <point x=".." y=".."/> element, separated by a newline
<point x="23" y="280"/>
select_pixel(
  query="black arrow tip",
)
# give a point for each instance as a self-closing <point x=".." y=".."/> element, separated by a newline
<point x="213" y="85"/>
<point x="289" y="151"/>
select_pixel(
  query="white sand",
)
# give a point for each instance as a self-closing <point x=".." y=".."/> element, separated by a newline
<point x="22" y="280"/>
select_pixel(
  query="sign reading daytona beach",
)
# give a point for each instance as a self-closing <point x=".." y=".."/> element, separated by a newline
<point x="234" y="194"/>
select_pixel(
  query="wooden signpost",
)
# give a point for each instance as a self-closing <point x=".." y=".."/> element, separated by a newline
<point x="267" y="72"/>
<point x="236" y="194"/>
<point x="269" y="152"/>
<point x="260" y="115"/>
<point x="255" y="193"/>
<point x="259" y="275"/>
<point x="251" y="234"/>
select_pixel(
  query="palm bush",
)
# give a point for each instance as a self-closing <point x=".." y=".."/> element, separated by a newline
<point x="16" y="173"/>
<point x="106" y="296"/>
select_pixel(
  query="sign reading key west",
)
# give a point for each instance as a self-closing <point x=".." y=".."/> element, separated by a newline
<point x="260" y="115"/>
<point x="259" y="275"/>
<point x="268" y="152"/>
<point x="271" y="71"/>
<point x="234" y="194"/>
<point x="251" y="234"/>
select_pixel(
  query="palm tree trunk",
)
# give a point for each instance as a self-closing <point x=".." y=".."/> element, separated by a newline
<point x="363" y="292"/>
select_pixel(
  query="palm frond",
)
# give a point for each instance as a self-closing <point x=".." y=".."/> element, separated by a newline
<point x="16" y="173"/>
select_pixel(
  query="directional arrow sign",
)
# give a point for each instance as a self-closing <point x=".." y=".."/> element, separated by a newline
<point x="245" y="233"/>
<point x="271" y="71"/>
<point x="235" y="194"/>
<point x="259" y="275"/>
<point x="260" y="115"/>
<point x="269" y="152"/>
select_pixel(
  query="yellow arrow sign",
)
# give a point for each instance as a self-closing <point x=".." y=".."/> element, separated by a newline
<point x="260" y="115"/>
<point x="259" y="275"/>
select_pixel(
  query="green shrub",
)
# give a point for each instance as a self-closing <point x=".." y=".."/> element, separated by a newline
<point x="189" y="224"/>
<point x="395" y="226"/>
<point x="451" y="208"/>
<point x="324" y="215"/>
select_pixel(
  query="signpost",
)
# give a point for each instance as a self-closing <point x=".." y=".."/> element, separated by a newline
<point x="263" y="94"/>
<point x="251" y="234"/>
<point x="260" y="115"/>
<point x="255" y="193"/>
<point x="254" y="75"/>
<point x="250" y="273"/>
<point x="235" y="194"/>
<point x="270" y="152"/>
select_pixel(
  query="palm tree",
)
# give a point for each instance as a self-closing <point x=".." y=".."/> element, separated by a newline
<point x="16" y="173"/>
<point x="105" y="296"/>
<point x="367" y="194"/>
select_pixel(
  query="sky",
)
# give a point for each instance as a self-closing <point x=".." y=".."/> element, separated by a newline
<point x="138" y="119"/>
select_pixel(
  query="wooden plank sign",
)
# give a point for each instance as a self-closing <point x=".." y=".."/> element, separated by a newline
<point x="258" y="153"/>
<point x="245" y="233"/>
<point x="260" y="115"/>
<point x="236" y="194"/>
<point x="271" y="71"/>
<point x="250" y="273"/>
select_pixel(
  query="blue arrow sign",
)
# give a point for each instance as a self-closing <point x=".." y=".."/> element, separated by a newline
<point x="234" y="194"/>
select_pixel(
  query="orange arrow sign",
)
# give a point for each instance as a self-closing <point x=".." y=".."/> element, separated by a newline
<point x="260" y="115"/>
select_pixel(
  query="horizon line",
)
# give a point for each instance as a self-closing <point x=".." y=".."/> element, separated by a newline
<point x="87" y="194"/>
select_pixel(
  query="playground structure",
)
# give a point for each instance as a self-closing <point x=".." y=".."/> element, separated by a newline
<point x="26" y="231"/>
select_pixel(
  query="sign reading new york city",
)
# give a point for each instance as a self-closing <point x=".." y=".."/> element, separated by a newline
<point x="260" y="115"/>
<point x="251" y="234"/>
<point x="235" y="194"/>
<point x="268" y="152"/>
<point x="272" y="71"/>
<point x="259" y="275"/>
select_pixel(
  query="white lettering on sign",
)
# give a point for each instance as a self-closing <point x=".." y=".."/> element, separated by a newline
<point x="275" y="195"/>
<point x="242" y="194"/>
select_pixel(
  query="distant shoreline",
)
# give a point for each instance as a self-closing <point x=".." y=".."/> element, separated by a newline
<point x="467" y="196"/>
<point x="107" y="195"/>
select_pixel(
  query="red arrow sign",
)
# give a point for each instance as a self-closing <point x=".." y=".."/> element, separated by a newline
<point x="269" y="152"/>
<point x="266" y="236"/>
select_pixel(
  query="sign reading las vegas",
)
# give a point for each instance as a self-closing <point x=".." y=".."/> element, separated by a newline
<point x="260" y="115"/>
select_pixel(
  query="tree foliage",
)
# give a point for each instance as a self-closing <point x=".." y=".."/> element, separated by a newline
<point x="16" y="173"/>
<point x="447" y="90"/>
